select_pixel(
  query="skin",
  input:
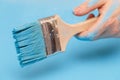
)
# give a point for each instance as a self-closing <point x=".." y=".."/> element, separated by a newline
<point x="108" y="21"/>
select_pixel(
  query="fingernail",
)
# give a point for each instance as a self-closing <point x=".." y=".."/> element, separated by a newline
<point x="83" y="38"/>
<point x="89" y="37"/>
<point x="77" y="11"/>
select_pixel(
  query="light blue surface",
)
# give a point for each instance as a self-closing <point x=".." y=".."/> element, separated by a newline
<point x="98" y="60"/>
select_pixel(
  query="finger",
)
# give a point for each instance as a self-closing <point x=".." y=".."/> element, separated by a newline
<point x="96" y="31"/>
<point x="88" y="6"/>
<point x="105" y="19"/>
<point x="99" y="27"/>
<point x="111" y="29"/>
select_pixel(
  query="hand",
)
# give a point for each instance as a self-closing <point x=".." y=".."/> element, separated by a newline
<point x="108" y="22"/>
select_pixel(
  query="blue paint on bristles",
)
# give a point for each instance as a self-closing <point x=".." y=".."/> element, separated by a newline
<point x="30" y="44"/>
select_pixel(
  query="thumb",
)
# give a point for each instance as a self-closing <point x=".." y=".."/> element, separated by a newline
<point x="88" y="6"/>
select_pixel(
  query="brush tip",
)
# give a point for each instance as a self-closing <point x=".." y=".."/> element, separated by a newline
<point x="30" y="44"/>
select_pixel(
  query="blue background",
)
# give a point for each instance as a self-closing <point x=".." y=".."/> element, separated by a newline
<point x="95" y="60"/>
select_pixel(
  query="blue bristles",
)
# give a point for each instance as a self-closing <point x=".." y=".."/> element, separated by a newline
<point x="30" y="44"/>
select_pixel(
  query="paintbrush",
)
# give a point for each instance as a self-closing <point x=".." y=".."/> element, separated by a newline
<point x="37" y="40"/>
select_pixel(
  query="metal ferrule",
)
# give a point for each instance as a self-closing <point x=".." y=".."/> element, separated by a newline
<point x="50" y="32"/>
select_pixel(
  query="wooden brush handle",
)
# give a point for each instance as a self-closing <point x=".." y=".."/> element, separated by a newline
<point x="69" y="30"/>
<point x="82" y="26"/>
<point x="66" y="31"/>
